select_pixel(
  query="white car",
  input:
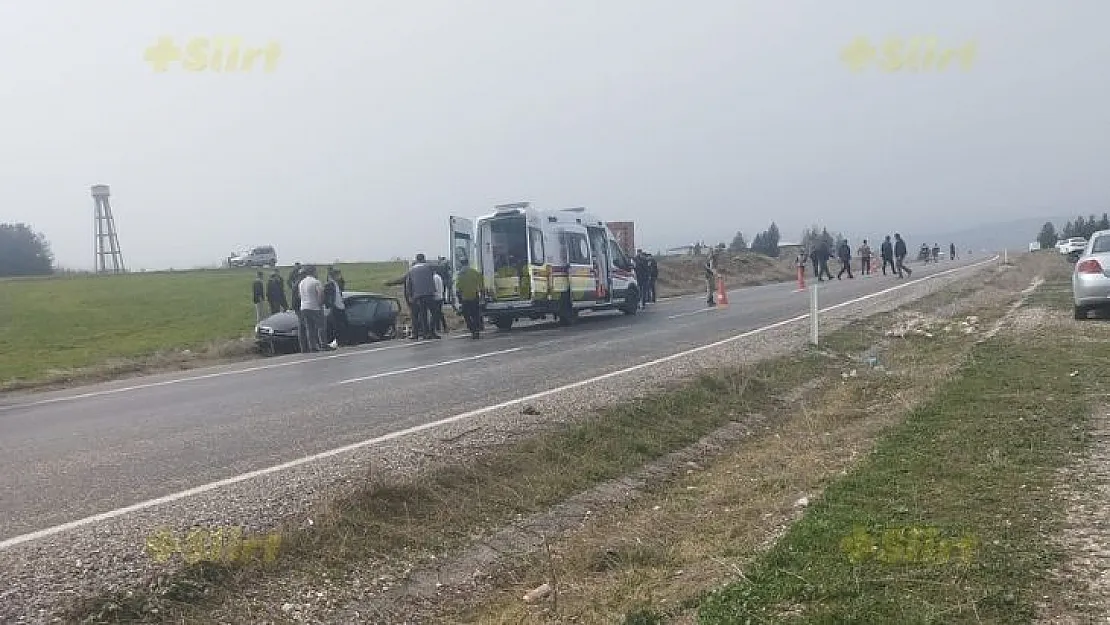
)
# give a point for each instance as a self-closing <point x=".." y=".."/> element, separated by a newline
<point x="1074" y="245"/>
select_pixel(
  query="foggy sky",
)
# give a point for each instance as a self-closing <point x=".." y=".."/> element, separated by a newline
<point x="694" y="119"/>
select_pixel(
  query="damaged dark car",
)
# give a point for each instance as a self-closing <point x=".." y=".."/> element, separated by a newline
<point x="371" y="317"/>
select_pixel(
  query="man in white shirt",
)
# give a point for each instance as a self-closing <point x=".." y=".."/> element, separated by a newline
<point x="438" y="322"/>
<point x="312" y="309"/>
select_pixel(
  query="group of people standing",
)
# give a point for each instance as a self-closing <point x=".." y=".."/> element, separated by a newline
<point x="320" y="308"/>
<point x="892" y="253"/>
<point x="425" y="287"/>
<point x="924" y="254"/>
<point x="647" y="272"/>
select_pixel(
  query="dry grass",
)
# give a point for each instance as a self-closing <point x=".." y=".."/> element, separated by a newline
<point x="652" y="560"/>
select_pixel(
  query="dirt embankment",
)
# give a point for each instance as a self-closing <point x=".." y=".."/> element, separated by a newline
<point x="680" y="275"/>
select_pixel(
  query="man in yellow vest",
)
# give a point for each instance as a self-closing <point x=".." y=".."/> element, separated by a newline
<point x="468" y="288"/>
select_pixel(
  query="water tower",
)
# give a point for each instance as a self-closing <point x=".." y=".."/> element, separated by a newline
<point x="107" y="256"/>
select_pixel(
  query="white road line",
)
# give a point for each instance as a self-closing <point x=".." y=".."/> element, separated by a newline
<point x="206" y="376"/>
<point x="694" y="312"/>
<point x="211" y="486"/>
<point x="433" y="365"/>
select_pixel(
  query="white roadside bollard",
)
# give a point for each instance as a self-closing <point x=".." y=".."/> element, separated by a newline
<point x="813" y="334"/>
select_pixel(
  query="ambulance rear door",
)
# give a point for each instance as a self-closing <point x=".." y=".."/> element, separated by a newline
<point x="462" y="249"/>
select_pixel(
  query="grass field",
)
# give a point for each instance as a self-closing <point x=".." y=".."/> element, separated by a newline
<point x="66" y="328"/>
<point x="70" y="322"/>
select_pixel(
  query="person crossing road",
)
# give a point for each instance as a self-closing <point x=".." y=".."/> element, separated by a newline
<point x="865" y="258"/>
<point x="886" y="250"/>
<point x="900" y="255"/>
<point x="844" y="252"/>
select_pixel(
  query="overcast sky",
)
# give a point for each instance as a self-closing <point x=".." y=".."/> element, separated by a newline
<point x="694" y="119"/>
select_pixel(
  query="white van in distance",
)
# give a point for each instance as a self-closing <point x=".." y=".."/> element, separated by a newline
<point x="262" y="256"/>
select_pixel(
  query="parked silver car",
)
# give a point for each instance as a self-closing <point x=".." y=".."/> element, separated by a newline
<point x="1090" y="281"/>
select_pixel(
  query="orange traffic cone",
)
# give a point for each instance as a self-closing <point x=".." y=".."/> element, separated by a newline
<point x="722" y="294"/>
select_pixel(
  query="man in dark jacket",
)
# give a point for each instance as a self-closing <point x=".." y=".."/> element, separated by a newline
<point x="259" y="294"/>
<point x="294" y="280"/>
<point x="887" y="252"/>
<point x="421" y="287"/>
<point x="951" y="251"/>
<point x="275" y="294"/>
<point x="844" y="253"/>
<point x="653" y="276"/>
<point x="337" y="308"/>
<point x="900" y="256"/>
<point x="295" y="277"/>
<point x="640" y="268"/>
<point x="821" y="256"/>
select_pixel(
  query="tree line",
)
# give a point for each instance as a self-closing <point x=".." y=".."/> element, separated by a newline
<point x="1080" y="227"/>
<point x="24" y="252"/>
<point x="767" y="242"/>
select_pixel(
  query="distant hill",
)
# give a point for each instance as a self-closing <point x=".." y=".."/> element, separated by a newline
<point x="991" y="237"/>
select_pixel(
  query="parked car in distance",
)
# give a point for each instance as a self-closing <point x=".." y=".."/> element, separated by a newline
<point x="370" y="317"/>
<point x="261" y="256"/>
<point x="1090" y="281"/>
<point x="1073" y="246"/>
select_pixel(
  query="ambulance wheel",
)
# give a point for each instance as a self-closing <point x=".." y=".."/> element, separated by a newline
<point x="567" y="314"/>
<point x="631" y="302"/>
<point x="503" y="323"/>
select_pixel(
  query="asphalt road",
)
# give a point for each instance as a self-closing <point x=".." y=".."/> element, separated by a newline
<point x="70" y="454"/>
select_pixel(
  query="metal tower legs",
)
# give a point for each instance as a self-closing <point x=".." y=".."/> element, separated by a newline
<point x="108" y="258"/>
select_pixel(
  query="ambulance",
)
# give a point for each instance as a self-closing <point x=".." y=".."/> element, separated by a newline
<point x="538" y="263"/>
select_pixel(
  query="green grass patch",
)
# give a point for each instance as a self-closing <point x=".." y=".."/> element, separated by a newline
<point x="944" y="521"/>
<point x="68" y="322"/>
<point x="1057" y="294"/>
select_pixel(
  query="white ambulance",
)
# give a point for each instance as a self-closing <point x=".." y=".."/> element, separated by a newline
<point x="538" y="263"/>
